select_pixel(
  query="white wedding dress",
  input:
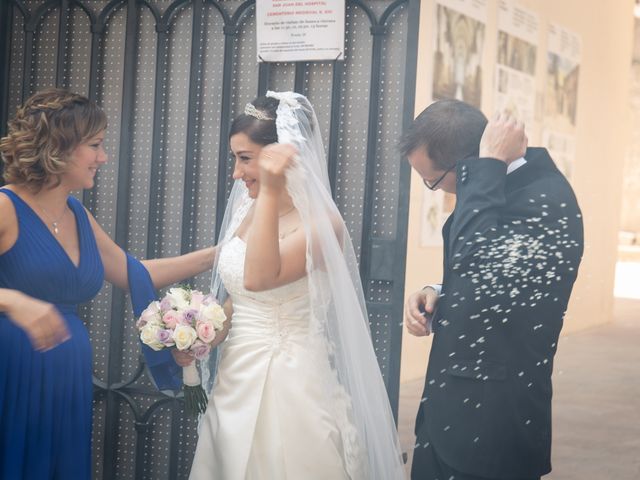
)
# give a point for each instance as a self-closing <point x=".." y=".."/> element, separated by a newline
<point x="276" y="411"/>
<point x="298" y="393"/>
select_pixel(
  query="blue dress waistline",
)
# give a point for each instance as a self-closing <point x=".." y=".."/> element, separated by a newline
<point x="67" y="308"/>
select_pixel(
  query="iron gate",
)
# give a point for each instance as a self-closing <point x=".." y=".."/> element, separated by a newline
<point x="171" y="75"/>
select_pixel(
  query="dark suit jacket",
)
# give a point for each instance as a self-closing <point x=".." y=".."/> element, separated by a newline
<point x="512" y="249"/>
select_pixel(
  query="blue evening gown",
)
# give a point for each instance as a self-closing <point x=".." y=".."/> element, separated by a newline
<point x="46" y="397"/>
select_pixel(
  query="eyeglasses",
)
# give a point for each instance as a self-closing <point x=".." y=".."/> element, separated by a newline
<point x="434" y="185"/>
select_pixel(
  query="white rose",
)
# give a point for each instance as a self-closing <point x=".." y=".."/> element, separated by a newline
<point x="179" y="298"/>
<point x="151" y="314"/>
<point x="149" y="336"/>
<point x="184" y="336"/>
<point x="154" y="307"/>
<point x="213" y="313"/>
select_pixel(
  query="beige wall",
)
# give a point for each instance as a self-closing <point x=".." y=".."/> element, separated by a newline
<point x="602" y="138"/>
<point x="630" y="215"/>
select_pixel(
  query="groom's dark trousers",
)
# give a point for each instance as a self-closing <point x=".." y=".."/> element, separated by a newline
<point x="431" y="467"/>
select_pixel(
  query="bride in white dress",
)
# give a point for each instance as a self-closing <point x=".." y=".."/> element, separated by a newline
<point x="298" y="393"/>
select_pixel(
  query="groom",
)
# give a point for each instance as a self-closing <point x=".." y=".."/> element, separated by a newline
<point x="512" y="247"/>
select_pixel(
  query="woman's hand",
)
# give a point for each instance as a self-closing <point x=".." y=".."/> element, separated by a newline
<point x="40" y="320"/>
<point x="184" y="359"/>
<point x="273" y="162"/>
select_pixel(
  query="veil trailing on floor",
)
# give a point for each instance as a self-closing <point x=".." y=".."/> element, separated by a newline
<point x="339" y="329"/>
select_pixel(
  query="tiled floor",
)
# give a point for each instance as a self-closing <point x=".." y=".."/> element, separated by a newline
<point x="596" y="406"/>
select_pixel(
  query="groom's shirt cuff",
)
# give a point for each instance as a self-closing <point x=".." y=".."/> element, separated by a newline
<point x="436" y="286"/>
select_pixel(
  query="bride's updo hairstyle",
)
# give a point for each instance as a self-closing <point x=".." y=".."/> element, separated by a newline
<point x="258" y="123"/>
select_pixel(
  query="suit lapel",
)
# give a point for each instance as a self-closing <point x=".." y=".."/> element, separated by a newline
<point x="446" y="229"/>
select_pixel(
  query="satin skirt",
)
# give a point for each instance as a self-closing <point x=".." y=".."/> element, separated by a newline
<point x="268" y="416"/>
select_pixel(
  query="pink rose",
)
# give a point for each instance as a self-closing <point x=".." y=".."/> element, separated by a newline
<point x="196" y="300"/>
<point x="206" y="332"/>
<point x="171" y="319"/>
<point x="200" y="350"/>
<point x="208" y="299"/>
<point x="166" y="304"/>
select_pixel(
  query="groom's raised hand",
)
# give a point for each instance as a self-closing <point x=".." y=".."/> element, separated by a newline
<point x="504" y="138"/>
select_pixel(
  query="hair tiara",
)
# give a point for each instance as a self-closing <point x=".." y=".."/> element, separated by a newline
<point x="250" y="109"/>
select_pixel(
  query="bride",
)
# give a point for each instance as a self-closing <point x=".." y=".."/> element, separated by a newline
<point x="298" y="393"/>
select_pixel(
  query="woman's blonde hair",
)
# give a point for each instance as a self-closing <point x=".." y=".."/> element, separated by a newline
<point x="44" y="133"/>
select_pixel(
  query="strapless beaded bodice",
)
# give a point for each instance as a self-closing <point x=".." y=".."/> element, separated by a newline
<point x="276" y="315"/>
<point x="231" y="269"/>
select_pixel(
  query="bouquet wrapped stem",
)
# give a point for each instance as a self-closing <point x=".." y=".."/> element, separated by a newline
<point x="195" y="398"/>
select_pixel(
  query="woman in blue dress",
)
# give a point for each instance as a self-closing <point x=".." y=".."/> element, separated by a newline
<point x="54" y="256"/>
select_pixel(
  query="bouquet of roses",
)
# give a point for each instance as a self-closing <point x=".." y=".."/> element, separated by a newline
<point x="189" y="321"/>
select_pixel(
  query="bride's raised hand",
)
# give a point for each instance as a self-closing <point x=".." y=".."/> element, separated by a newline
<point x="184" y="359"/>
<point x="273" y="162"/>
